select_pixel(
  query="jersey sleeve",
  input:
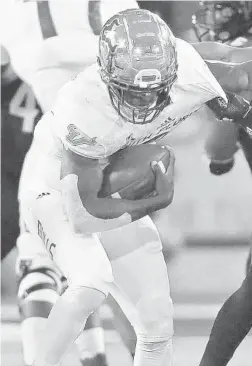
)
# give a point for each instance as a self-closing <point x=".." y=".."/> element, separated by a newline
<point x="72" y="125"/>
<point x="194" y="71"/>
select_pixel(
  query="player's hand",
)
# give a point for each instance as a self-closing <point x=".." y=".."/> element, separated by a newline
<point x="220" y="168"/>
<point x="164" y="183"/>
<point x="236" y="109"/>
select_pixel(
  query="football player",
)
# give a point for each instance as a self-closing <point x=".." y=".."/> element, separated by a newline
<point x="39" y="280"/>
<point x="144" y="87"/>
<point x="13" y="120"/>
<point x="222" y="21"/>
<point x="234" y="320"/>
<point x="47" y="47"/>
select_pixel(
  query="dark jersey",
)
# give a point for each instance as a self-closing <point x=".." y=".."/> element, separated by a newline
<point x="19" y="115"/>
<point x="246" y="145"/>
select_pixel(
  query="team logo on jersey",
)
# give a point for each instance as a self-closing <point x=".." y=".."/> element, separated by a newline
<point x="76" y="137"/>
<point x="43" y="195"/>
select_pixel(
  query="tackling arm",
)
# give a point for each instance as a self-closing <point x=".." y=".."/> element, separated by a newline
<point x="233" y="78"/>
<point x="223" y="52"/>
<point x="81" y="180"/>
<point x="236" y="81"/>
<point x="237" y="110"/>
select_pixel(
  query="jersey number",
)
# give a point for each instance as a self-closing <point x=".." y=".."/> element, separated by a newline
<point x="24" y="105"/>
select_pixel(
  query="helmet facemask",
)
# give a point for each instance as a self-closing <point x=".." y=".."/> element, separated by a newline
<point x="222" y="21"/>
<point x="152" y="100"/>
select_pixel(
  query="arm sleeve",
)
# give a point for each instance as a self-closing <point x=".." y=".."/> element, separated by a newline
<point x="222" y="52"/>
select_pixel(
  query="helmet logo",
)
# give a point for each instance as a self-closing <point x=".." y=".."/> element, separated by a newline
<point x="109" y="32"/>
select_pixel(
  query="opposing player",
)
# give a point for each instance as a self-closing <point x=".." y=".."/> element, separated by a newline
<point x="234" y="320"/>
<point x="144" y="88"/>
<point x="48" y="44"/>
<point x="14" y="121"/>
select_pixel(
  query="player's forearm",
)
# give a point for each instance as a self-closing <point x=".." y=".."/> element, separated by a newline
<point x="239" y="55"/>
<point x="221" y="52"/>
<point x="233" y="78"/>
<point x="90" y="214"/>
<point x="109" y="208"/>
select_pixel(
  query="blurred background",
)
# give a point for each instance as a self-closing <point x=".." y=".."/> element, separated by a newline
<point x="209" y="223"/>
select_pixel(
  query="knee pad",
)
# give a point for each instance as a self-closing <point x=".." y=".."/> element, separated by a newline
<point x="39" y="285"/>
<point x="156" y="317"/>
<point x="154" y="350"/>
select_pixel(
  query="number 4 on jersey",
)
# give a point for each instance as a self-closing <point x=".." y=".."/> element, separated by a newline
<point x="24" y="105"/>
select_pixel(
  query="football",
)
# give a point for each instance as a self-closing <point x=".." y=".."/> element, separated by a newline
<point x="129" y="174"/>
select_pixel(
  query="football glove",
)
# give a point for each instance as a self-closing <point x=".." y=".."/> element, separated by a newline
<point x="219" y="167"/>
<point x="237" y="110"/>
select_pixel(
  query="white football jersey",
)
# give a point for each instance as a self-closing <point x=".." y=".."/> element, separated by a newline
<point x="84" y="121"/>
<point x="50" y="34"/>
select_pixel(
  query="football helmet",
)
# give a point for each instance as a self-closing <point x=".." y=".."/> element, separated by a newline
<point x="138" y="62"/>
<point x="222" y="21"/>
